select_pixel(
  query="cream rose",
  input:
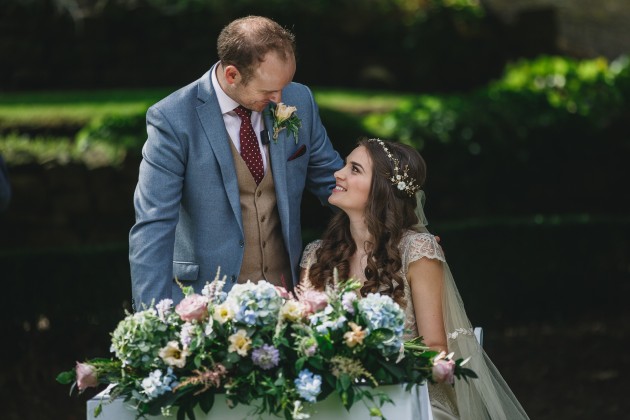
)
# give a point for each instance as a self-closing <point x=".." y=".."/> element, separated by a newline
<point x="284" y="112"/>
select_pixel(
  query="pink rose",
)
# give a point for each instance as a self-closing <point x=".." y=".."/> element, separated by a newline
<point x="314" y="301"/>
<point x="86" y="376"/>
<point x="443" y="371"/>
<point x="193" y="307"/>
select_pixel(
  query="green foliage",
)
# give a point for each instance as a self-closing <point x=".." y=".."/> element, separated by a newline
<point x="543" y="94"/>
<point x="118" y="134"/>
<point x="66" y="378"/>
<point x="19" y="150"/>
<point x="548" y="137"/>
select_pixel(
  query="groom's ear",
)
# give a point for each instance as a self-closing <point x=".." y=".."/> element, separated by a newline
<point x="232" y="75"/>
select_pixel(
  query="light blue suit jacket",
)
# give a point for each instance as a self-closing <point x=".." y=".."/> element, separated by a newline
<point x="188" y="213"/>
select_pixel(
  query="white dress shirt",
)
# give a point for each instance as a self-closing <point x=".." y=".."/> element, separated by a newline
<point x="233" y="121"/>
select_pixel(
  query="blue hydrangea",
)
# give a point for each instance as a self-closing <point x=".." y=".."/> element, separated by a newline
<point x="380" y="311"/>
<point x="158" y="383"/>
<point x="255" y="304"/>
<point x="308" y="385"/>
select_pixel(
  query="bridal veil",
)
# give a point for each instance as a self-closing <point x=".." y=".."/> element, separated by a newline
<point x="488" y="396"/>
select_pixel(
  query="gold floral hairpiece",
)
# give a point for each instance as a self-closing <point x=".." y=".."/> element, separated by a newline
<point x="403" y="181"/>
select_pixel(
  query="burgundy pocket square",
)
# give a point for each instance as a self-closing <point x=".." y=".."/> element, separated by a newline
<point x="299" y="152"/>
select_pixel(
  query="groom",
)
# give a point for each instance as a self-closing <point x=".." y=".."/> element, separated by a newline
<point x="217" y="188"/>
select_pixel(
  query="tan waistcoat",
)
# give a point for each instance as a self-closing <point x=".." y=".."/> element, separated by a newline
<point x="265" y="256"/>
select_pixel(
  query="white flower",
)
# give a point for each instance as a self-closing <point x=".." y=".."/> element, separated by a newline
<point x="284" y="117"/>
<point x="284" y="112"/>
<point x="292" y="310"/>
<point x="223" y="313"/>
<point x="401" y="185"/>
<point x="172" y="355"/>
<point x="187" y="334"/>
<point x="164" y="307"/>
<point x="298" y="414"/>
<point x="240" y="343"/>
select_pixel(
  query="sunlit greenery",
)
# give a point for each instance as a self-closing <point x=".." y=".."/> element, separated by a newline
<point x="544" y="93"/>
<point x="53" y="108"/>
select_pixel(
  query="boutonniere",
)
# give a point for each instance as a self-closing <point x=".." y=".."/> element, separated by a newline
<point x="285" y="116"/>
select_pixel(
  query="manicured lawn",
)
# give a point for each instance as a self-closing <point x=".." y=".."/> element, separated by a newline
<point x="81" y="106"/>
<point x="73" y="106"/>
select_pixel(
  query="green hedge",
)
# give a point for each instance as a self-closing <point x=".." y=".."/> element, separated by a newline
<point x="549" y="136"/>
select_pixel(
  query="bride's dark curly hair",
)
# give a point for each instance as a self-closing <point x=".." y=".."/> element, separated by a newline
<point x="388" y="214"/>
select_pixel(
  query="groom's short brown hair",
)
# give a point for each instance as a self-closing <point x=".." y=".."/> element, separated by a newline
<point x="244" y="42"/>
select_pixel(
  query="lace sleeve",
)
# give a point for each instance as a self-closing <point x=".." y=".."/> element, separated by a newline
<point x="417" y="245"/>
<point x="309" y="253"/>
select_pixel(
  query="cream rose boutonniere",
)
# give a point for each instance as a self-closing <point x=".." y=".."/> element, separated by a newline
<point x="285" y="116"/>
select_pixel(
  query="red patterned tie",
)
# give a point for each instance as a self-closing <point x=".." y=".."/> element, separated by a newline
<point x="250" y="152"/>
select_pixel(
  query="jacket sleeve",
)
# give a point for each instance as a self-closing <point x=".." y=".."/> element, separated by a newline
<point x="157" y="201"/>
<point x="324" y="159"/>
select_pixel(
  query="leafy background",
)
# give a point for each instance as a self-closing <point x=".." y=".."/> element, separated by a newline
<point x="526" y="142"/>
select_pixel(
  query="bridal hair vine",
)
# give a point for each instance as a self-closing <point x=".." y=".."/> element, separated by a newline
<point x="403" y="181"/>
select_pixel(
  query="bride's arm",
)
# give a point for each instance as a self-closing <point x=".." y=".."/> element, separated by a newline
<point x="425" y="277"/>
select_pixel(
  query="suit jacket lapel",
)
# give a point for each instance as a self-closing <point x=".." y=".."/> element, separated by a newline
<point x="277" y="153"/>
<point x="212" y="121"/>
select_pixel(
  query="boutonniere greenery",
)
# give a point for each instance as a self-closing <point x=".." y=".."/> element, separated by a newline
<point x="285" y="116"/>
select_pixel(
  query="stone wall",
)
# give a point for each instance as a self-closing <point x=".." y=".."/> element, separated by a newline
<point x="584" y="28"/>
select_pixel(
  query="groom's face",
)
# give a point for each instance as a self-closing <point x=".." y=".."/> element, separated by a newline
<point x="266" y="83"/>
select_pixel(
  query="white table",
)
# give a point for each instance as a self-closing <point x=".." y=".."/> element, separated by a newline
<point x="407" y="406"/>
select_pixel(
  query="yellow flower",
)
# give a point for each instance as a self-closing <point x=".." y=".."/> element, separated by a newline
<point x="223" y="313"/>
<point x="292" y="310"/>
<point x="284" y="112"/>
<point x="354" y="337"/>
<point x="172" y="355"/>
<point x="240" y="343"/>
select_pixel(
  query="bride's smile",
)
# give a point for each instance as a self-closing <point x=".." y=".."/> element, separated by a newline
<point x="353" y="183"/>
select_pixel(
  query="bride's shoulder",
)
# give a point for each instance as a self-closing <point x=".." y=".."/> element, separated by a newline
<point x="415" y="245"/>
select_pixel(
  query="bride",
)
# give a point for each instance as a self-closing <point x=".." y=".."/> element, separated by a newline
<point x="380" y="239"/>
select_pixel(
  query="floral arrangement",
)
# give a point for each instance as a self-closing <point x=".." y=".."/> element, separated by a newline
<point x="263" y="347"/>
<point x="285" y="116"/>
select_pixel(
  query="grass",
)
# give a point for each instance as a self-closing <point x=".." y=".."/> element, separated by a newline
<point x="78" y="107"/>
<point x="359" y="102"/>
<point x="40" y="127"/>
<point x="45" y="108"/>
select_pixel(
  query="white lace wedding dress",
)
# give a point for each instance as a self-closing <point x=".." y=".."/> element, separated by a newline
<point x="486" y="397"/>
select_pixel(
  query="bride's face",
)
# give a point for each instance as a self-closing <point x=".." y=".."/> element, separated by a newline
<point x="353" y="182"/>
